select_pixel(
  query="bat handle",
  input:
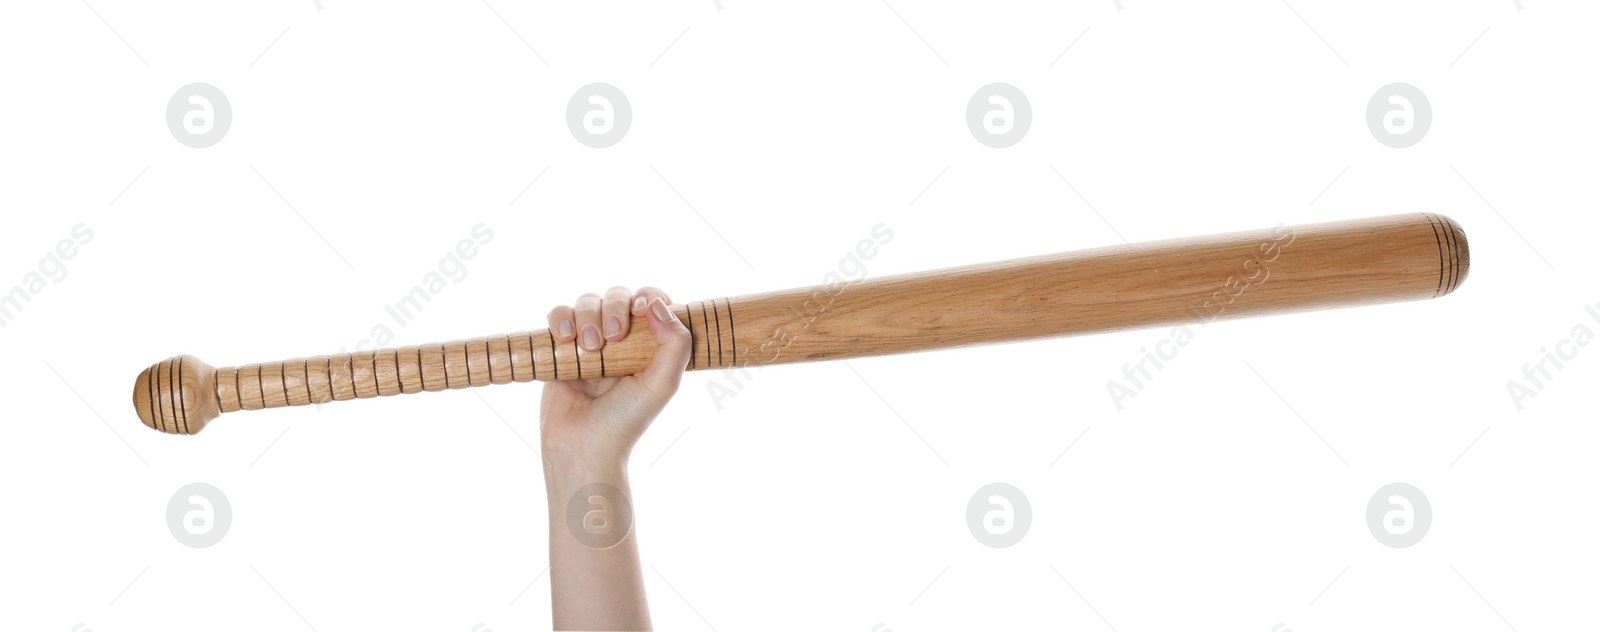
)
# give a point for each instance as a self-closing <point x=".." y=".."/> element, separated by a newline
<point x="181" y="394"/>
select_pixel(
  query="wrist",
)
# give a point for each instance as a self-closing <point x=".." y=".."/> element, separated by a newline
<point x="588" y="450"/>
<point x="565" y="472"/>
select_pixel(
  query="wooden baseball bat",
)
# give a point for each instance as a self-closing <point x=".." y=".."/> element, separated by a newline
<point x="1283" y="269"/>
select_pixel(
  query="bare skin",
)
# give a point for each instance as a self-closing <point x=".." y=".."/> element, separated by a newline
<point x="587" y="431"/>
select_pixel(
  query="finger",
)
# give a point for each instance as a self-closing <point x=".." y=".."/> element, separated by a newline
<point x="561" y="323"/>
<point x="614" y="313"/>
<point x="586" y="315"/>
<point x="673" y="342"/>
<point x="642" y="298"/>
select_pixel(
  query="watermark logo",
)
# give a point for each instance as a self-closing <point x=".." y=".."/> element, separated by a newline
<point x="998" y="115"/>
<point x="998" y="515"/>
<point x="1398" y="115"/>
<point x="598" y="115"/>
<point x="1399" y="515"/>
<point x="198" y="515"/>
<point x="198" y="115"/>
<point x="599" y="515"/>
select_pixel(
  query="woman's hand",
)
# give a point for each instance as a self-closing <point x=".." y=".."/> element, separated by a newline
<point x="587" y="428"/>
<point x="601" y="419"/>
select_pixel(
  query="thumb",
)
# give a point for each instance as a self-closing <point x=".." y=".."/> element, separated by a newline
<point x="674" y="341"/>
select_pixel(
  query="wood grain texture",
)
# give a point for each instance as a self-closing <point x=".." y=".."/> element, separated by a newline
<point x="1199" y="279"/>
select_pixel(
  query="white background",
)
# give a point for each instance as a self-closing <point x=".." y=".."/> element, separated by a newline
<point x="807" y="501"/>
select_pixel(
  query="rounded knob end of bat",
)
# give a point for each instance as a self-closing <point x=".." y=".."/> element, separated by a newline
<point x="177" y="395"/>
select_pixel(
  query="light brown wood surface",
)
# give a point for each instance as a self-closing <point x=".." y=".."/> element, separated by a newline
<point x="1284" y="269"/>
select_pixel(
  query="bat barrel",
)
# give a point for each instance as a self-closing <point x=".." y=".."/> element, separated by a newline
<point x="1200" y="279"/>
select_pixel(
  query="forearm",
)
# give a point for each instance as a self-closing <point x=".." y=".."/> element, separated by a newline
<point x="595" y="577"/>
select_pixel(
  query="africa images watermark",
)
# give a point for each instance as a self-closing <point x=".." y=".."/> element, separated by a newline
<point x="452" y="268"/>
<point x="52" y="269"/>
<point x="1205" y="309"/>
<point x="1537" y="375"/>
<point x="852" y="270"/>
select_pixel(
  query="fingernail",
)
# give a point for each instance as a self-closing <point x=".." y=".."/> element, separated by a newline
<point x="591" y="338"/>
<point x="660" y="309"/>
<point x="613" y="326"/>
<point x="638" y="305"/>
<point x="565" y="329"/>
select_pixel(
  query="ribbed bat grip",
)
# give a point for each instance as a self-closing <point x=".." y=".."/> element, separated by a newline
<point x="516" y="357"/>
<point x="172" y="396"/>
